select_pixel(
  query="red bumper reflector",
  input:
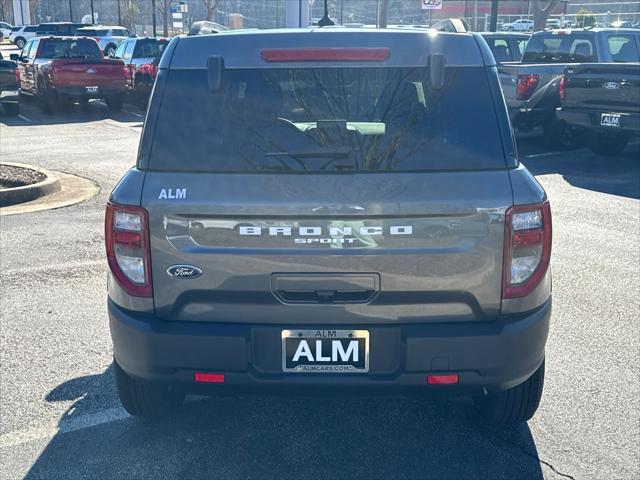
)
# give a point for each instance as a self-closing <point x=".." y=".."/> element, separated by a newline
<point x="442" y="379"/>
<point x="209" y="377"/>
<point x="325" y="54"/>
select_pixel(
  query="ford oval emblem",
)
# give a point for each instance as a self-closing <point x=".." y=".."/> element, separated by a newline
<point x="184" y="271"/>
<point x="611" y="85"/>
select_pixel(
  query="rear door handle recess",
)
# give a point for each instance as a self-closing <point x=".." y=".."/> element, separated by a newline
<point x="325" y="288"/>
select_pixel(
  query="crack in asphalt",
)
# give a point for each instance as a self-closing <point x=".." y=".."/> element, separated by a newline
<point x="529" y="454"/>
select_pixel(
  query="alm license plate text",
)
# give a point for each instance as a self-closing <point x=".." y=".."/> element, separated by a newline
<point x="92" y="89"/>
<point x="610" y="120"/>
<point x="325" y="351"/>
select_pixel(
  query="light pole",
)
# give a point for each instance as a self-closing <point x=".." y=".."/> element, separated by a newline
<point x="93" y="14"/>
<point x="70" y="11"/>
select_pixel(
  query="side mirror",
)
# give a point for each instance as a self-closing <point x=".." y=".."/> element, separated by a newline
<point x="14" y="56"/>
<point x="215" y="66"/>
<point x="436" y="71"/>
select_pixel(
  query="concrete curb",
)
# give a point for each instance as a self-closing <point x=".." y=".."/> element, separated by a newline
<point x="26" y="193"/>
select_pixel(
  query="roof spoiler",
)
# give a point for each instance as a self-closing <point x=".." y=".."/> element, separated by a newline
<point x="455" y="25"/>
<point x="206" y="28"/>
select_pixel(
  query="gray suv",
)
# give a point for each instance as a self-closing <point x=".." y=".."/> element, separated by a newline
<point x="329" y="209"/>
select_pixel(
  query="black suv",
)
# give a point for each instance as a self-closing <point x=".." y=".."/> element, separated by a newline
<point x="333" y="209"/>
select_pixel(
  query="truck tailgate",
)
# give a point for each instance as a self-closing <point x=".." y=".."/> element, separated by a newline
<point x="604" y="87"/>
<point x="82" y="73"/>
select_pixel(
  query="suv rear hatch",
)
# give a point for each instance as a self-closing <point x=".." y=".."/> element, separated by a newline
<point x="318" y="187"/>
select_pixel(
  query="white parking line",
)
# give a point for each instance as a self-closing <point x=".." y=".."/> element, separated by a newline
<point x="19" y="437"/>
<point x="26" y="119"/>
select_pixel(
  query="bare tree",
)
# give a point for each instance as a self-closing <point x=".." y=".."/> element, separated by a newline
<point x="129" y="14"/>
<point x="164" y="6"/>
<point x="33" y="7"/>
<point x="541" y="11"/>
<point x="211" y="5"/>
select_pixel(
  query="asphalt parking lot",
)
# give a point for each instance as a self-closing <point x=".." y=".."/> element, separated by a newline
<point x="60" y="416"/>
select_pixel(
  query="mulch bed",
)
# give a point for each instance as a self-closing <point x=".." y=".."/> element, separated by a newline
<point x="11" y="176"/>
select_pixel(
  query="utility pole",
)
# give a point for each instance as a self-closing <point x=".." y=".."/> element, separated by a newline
<point x="494" y="16"/>
<point x="153" y="16"/>
<point x="70" y="11"/>
<point x="119" y="16"/>
<point x="384" y="13"/>
<point x="93" y="14"/>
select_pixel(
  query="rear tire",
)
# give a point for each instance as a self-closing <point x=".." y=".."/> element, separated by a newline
<point x="607" y="145"/>
<point x="114" y="103"/>
<point x="47" y="103"/>
<point x="515" y="405"/>
<point x="146" y="399"/>
<point x="110" y="50"/>
<point x="558" y="135"/>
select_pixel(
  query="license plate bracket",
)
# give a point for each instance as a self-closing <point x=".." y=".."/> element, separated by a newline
<point x="325" y="351"/>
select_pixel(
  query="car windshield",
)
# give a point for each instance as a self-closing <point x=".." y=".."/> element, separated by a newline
<point x="87" y="49"/>
<point x="326" y="120"/>
<point x="91" y="32"/>
<point x="149" y="48"/>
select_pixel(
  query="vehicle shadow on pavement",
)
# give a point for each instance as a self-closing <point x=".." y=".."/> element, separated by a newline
<point x="615" y="175"/>
<point x="251" y="436"/>
<point x="70" y="114"/>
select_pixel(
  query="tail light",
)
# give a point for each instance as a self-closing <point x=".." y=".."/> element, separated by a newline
<point x="527" y="248"/>
<point x="149" y="69"/>
<point x="128" y="251"/>
<point x="561" y="86"/>
<point x="325" y="54"/>
<point x="526" y="85"/>
<point x="16" y="74"/>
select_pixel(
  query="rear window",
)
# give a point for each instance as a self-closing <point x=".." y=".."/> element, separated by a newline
<point x="558" y="48"/>
<point x="30" y="29"/>
<point x="327" y="120"/>
<point x="92" y="33"/>
<point x="87" y="49"/>
<point x="623" y="48"/>
<point x="149" y="48"/>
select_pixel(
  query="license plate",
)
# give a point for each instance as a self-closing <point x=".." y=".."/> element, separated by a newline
<point x="610" y="120"/>
<point x="325" y="351"/>
<point x="92" y="89"/>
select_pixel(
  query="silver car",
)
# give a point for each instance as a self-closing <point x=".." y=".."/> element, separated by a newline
<point x="108" y="38"/>
<point x="332" y="209"/>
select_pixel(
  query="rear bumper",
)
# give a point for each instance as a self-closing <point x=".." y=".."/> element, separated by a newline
<point x="9" y="96"/>
<point x="81" y="92"/>
<point x="590" y="120"/>
<point x="493" y="355"/>
<point x="528" y="117"/>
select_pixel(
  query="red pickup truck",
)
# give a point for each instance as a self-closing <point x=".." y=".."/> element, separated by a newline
<point x="59" y="70"/>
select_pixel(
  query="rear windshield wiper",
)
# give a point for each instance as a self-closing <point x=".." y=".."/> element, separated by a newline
<point x="340" y="156"/>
